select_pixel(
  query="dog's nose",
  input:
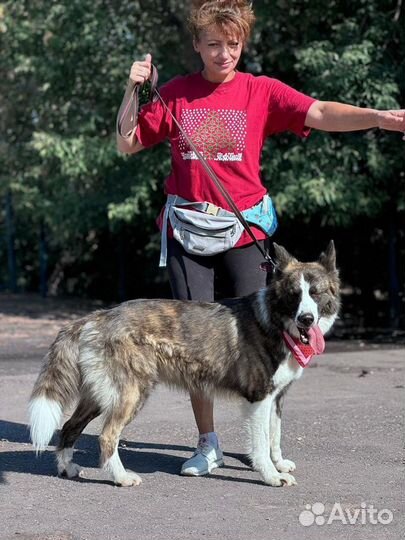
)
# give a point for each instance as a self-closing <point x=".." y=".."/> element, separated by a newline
<point x="306" y="319"/>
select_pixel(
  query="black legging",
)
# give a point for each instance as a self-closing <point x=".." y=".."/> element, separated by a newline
<point x="233" y="273"/>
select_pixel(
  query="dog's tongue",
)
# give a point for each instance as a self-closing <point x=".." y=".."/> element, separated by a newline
<point x="303" y="352"/>
<point x="316" y="340"/>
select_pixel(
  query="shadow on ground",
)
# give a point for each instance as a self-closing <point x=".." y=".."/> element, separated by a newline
<point x="144" y="458"/>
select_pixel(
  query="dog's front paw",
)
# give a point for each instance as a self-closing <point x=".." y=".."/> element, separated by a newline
<point x="70" y="470"/>
<point x="128" y="479"/>
<point x="280" y="479"/>
<point x="285" y="465"/>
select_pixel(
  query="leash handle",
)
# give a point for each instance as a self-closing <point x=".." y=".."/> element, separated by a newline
<point x="132" y="107"/>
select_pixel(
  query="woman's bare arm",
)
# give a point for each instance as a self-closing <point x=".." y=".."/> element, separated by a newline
<point x="334" y="116"/>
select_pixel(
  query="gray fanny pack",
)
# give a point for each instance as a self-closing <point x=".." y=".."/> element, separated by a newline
<point x="206" y="229"/>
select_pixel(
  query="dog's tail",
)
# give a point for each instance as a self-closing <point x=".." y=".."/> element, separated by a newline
<point x="56" y="387"/>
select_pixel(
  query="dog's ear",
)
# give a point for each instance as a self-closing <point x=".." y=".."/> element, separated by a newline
<point x="328" y="258"/>
<point x="282" y="256"/>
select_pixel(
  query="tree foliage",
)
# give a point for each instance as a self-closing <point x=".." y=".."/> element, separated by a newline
<point x="65" y="66"/>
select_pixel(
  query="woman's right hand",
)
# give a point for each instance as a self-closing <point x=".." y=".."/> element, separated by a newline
<point x="141" y="70"/>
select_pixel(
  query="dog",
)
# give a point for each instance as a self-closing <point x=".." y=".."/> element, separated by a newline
<point x="110" y="361"/>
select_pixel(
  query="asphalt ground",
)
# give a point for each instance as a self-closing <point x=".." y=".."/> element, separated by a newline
<point x="342" y="425"/>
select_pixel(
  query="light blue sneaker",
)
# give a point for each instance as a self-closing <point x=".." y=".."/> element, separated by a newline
<point x="205" y="459"/>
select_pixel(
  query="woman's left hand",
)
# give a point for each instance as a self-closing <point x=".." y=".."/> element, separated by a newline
<point x="392" y="120"/>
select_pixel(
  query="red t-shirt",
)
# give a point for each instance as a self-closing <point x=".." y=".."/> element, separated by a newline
<point x="228" y="122"/>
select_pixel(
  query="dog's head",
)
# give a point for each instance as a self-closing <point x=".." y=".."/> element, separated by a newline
<point x="305" y="295"/>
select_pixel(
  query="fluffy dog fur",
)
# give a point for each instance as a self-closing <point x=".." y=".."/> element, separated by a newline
<point x="111" y="360"/>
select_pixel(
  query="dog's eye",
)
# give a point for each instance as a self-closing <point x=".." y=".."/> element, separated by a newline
<point x="292" y="291"/>
<point x="313" y="291"/>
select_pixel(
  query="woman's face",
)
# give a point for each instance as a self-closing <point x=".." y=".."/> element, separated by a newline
<point x="220" y="54"/>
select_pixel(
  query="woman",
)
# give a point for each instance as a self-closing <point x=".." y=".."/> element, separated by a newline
<point x="228" y="115"/>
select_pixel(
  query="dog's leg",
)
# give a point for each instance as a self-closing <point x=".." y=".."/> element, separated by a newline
<point x="85" y="412"/>
<point x="116" y="420"/>
<point x="282" y="465"/>
<point x="258" y="422"/>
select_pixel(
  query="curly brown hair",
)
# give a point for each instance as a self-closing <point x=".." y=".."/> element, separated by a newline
<point x="230" y="16"/>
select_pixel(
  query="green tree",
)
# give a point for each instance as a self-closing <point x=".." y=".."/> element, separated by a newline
<point x="65" y="67"/>
<point x="350" y="52"/>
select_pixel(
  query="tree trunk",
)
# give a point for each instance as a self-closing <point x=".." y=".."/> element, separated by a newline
<point x="122" y="277"/>
<point x="43" y="261"/>
<point x="393" y="286"/>
<point x="10" y="237"/>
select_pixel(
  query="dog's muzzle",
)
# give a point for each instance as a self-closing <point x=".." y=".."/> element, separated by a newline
<point x="304" y="322"/>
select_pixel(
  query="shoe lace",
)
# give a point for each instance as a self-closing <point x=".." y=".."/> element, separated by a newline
<point x="203" y="448"/>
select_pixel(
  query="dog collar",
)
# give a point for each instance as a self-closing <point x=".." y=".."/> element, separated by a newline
<point x="303" y="352"/>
